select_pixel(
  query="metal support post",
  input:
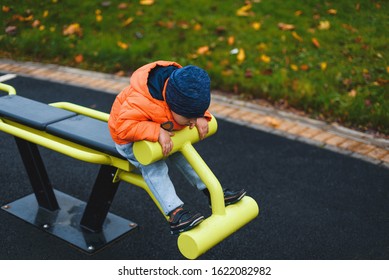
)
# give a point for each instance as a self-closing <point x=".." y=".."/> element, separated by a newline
<point x="37" y="174"/>
<point x="100" y="199"/>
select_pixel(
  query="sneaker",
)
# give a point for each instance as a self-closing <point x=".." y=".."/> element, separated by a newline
<point x="230" y="196"/>
<point x="182" y="220"/>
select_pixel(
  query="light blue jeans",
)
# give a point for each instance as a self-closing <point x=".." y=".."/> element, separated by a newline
<point x="157" y="178"/>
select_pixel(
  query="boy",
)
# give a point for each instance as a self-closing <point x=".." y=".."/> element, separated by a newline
<point x="162" y="97"/>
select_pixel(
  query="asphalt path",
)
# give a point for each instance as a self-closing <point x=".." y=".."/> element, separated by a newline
<point x="314" y="203"/>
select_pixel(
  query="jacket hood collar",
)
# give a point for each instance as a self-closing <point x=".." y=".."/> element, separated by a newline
<point x="139" y="78"/>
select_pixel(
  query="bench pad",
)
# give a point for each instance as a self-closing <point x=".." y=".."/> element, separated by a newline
<point x="68" y="125"/>
<point x="30" y="112"/>
<point x="85" y="131"/>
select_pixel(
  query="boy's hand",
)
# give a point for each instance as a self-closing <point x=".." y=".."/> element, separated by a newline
<point x="165" y="141"/>
<point x="202" y="127"/>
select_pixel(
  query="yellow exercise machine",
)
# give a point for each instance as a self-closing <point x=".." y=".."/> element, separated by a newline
<point x="82" y="133"/>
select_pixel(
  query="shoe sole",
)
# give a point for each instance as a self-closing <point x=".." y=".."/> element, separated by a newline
<point x="237" y="199"/>
<point x="194" y="223"/>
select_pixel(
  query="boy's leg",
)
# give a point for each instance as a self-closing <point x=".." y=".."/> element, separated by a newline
<point x="187" y="170"/>
<point x="157" y="179"/>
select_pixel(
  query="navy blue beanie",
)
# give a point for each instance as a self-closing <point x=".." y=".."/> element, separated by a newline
<point x="188" y="91"/>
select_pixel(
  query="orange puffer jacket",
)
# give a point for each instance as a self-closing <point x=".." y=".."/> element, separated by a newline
<point x="135" y="114"/>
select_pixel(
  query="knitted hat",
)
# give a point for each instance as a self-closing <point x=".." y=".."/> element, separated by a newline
<point x="188" y="91"/>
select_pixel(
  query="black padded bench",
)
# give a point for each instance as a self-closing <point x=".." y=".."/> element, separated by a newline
<point x="31" y="113"/>
<point x="85" y="131"/>
<point x="48" y="208"/>
<point x="68" y="125"/>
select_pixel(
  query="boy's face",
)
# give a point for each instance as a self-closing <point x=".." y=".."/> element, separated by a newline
<point x="181" y="120"/>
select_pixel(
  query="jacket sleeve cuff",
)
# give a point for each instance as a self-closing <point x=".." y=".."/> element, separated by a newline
<point x="208" y="116"/>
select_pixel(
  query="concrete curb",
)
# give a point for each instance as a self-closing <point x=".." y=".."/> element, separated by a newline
<point x="314" y="132"/>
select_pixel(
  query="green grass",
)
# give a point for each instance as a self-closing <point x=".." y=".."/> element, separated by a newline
<point x="345" y="79"/>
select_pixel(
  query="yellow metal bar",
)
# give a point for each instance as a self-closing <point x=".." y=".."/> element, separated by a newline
<point x="207" y="176"/>
<point x="82" y="110"/>
<point x="216" y="228"/>
<point x="147" y="152"/>
<point x="11" y="90"/>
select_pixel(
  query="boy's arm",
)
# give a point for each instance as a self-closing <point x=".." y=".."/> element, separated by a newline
<point x="137" y="131"/>
<point x="202" y="125"/>
<point x="165" y="141"/>
<point x="133" y="125"/>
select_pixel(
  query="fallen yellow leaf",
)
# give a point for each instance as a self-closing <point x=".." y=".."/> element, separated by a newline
<point x="99" y="18"/>
<point x="122" y="6"/>
<point x="203" y="50"/>
<point x="256" y="25"/>
<point x="128" y="21"/>
<point x="285" y="26"/>
<point x="241" y="55"/>
<point x="332" y="11"/>
<point x="29" y="18"/>
<point x="304" y="67"/>
<point x="231" y="40"/>
<point x="296" y="36"/>
<point x="146" y="2"/>
<point x="122" y="45"/>
<point x="262" y="47"/>
<point x="192" y="56"/>
<point x="387" y="69"/>
<point x="183" y="24"/>
<point x="315" y="42"/>
<point x="265" y="58"/>
<point x="294" y="67"/>
<point x="45" y="13"/>
<point x="273" y="122"/>
<point x="197" y="27"/>
<point x="227" y="72"/>
<point x="244" y="11"/>
<point x="323" y="66"/>
<point x="298" y="13"/>
<point x="352" y="93"/>
<point x="324" y="25"/>
<point x="79" y="58"/>
<point x="73" y="28"/>
<point x="36" y="23"/>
